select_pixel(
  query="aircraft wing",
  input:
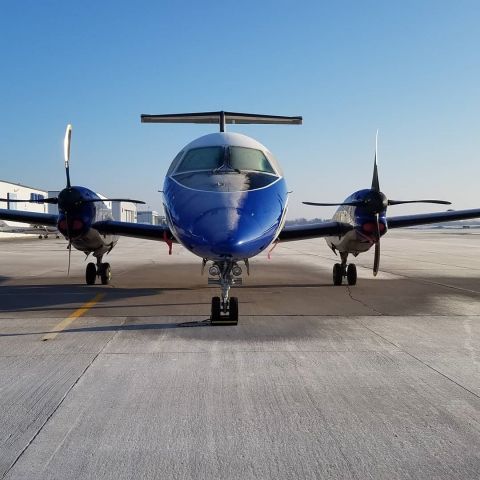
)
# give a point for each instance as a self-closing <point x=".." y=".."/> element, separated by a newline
<point x="313" y="230"/>
<point x="426" y="218"/>
<point x="33" y="218"/>
<point x="136" y="230"/>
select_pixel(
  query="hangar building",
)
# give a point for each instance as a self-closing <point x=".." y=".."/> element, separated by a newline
<point x="14" y="191"/>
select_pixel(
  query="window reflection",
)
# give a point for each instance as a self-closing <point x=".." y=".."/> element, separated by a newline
<point x="249" y="159"/>
<point x="206" y="158"/>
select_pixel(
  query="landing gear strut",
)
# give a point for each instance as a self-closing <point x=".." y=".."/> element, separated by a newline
<point x="225" y="308"/>
<point x="101" y="270"/>
<point x="342" y="270"/>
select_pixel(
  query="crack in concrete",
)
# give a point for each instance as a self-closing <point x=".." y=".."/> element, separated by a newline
<point x="366" y="305"/>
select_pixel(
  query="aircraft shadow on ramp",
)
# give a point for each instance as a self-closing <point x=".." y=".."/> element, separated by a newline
<point x="405" y="296"/>
<point x="303" y="307"/>
<point x="117" y="328"/>
<point x="56" y="297"/>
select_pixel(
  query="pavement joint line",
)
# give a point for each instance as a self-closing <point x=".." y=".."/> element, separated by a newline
<point x="72" y="317"/>
<point x="234" y="352"/>
<point x="420" y="361"/>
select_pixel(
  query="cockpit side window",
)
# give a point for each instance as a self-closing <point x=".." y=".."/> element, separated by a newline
<point x="174" y="163"/>
<point x="249" y="159"/>
<point x="205" y="158"/>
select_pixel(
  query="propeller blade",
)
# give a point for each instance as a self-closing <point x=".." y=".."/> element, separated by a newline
<point x="69" y="256"/>
<point x="400" y="202"/>
<point x="376" y="258"/>
<point x="352" y="204"/>
<point x="69" y="244"/>
<point x="66" y="152"/>
<point x="375" y="182"/>
<point x="113" y="200"/>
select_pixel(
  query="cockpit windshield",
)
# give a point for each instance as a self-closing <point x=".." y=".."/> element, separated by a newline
<point x="249" y="159"/>
<point x="206" y="158"/>
<point x="238" y="159"/>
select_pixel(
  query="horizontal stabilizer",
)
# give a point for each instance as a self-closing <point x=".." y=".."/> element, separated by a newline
<point x="221" y="118"/>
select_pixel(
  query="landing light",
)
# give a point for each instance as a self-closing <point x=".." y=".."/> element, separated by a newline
<point x="214" y="271"/>
<point x="237" y="271"/>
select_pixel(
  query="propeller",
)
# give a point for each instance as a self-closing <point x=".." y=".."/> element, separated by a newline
<point x="374" y="202"/>
<point x="379" y="202"/>
<point x="366" y="202"/>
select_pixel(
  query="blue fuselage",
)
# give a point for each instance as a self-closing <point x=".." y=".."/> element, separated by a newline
<point x="225" y="213"/>
<point x="220" y="225"/>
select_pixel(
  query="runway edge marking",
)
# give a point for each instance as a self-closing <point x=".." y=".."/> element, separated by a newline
<point x="72" y="317"/>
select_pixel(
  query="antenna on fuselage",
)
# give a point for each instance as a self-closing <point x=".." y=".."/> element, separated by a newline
<point x="222" y="118"/>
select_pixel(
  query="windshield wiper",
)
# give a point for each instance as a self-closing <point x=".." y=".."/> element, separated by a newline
<point x="226" y="169"/>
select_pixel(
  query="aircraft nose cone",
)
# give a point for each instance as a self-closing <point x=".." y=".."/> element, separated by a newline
<point x="230" y="232"/>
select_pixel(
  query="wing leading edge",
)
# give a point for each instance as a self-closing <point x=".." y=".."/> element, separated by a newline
<point x="33" y="218"/>
<point x="136" y="230"/>
<point x="291" y="233"/>
<point x="428" y="218"/>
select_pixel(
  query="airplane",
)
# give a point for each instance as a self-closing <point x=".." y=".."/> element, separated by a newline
<point x="41" y="230"/>
<point x="225" y="200"/>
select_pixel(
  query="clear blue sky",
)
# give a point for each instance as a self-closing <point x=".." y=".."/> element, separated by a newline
<point x="409" y="68"/>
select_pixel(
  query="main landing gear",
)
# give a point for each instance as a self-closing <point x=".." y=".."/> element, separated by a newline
<point x="225" y="308"/>
<point x="101" y="270"/>
<point x="342" y="270"/>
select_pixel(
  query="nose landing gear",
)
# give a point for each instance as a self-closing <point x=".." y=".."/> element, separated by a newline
<point x="225" y="308"/>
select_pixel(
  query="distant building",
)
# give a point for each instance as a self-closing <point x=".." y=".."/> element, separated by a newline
<point x="151" y="217"/>
<point x="52" y="207"/>
<point x="124" y="211"/>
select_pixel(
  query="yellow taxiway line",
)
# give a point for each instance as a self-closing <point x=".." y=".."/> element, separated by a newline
<point x="71" y="318"/>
